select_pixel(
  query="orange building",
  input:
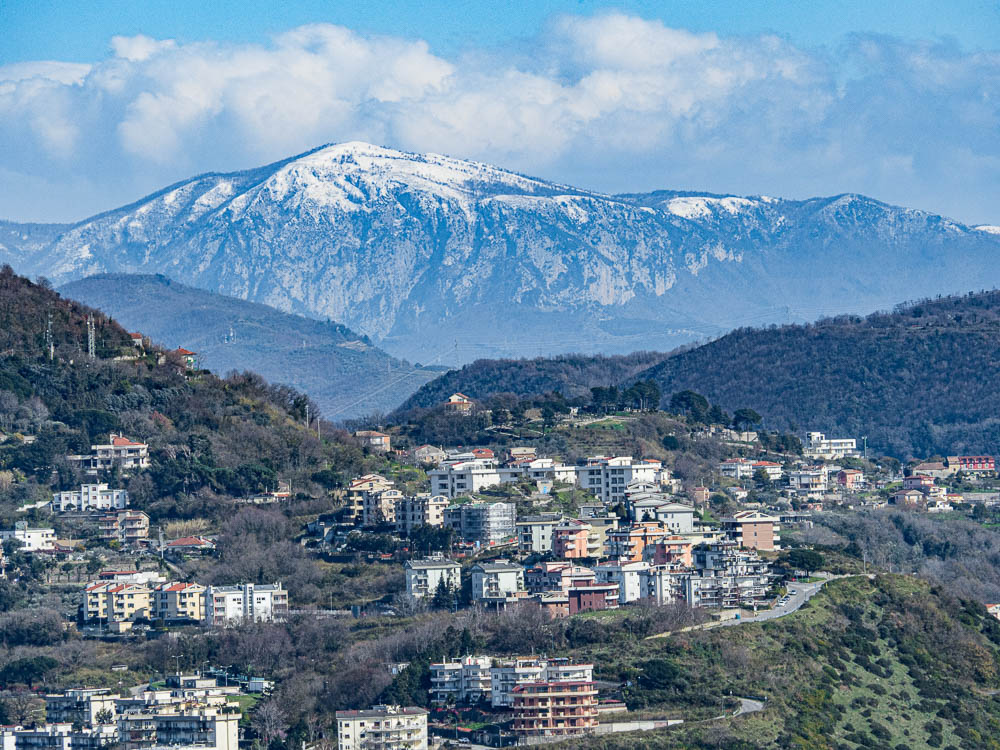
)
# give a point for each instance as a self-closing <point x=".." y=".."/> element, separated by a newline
<point x="631" y="542"/>
<point x="555" y="709"/>
<point x="569" y="539"/>
<point x="671" y="549"/>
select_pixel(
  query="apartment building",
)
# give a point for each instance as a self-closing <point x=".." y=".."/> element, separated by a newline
<point x="555" y="576"/>
<point x="535" y="533"/>
<point x="179" y="602"/>
<point x="57" y="736"/>
<point x="81" y="706"/>
<point x="591" y="596"/>
<point x="423" y="577"/>
<point x="737" y="468"/>
<point x="354" y="495"/>
<point x="507" y="674"/>
<point x="663" y="584"/>
<point x="128" y="527"/>
<point x="382" y="728"/>
<point x="972" y="463"/>
<point x="752" y="529"/>
<point x="726" y="576"/>
<point x="112" y="602"/>
<point x="627" y="576"/>
<point x="90" y="498"/>
<point x="32" y="540"/>
<point x="465" y="680"/>
<point x="421" y="510"/>
<point x="819" y="447"/>
<point x="608" y="477"/>
<point x="127" y="455"/>
<point x="850" y="479"/>
<point x="809" y="480"/>
<point x="570" y="539"/>
<point x="496" y="582"/>
<point x="457" y="478"/>
<point x="677" y="517"/>
<point x="379" y="506"/>
<point x="247" y="602"/>
<point x="208" y="727"/>
<point x="554" y="709"/>
<point x="486" y="523"/>
<point x="630" y="543"/>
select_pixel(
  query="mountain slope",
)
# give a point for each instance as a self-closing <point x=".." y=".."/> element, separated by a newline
<point x="341" y="371"/>
<point x="438" y="259"/>
<point x="573" y="375"/>
<point x="921" y="380"/>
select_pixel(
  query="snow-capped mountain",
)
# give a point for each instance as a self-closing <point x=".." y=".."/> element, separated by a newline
<point x="444" y="260"/>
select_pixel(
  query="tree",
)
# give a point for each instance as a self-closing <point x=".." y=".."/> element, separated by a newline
<point x="443" y="595"/>
<point x="688" y="402"/>
<point x="804" y="559"/>
<point x="745" y="419"/>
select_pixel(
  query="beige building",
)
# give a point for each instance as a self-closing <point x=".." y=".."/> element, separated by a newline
<point x="80" y="706"/>
<point x="126" y="527"/>
<point x="359" y="488"/>
<point x="179" y="602"/>
<point x="382" y="728"/>
<point x="116" y="602"/>
<point x="380" y="507"/>
<point x="209" y="727"/>
<point x="422" y="510"/>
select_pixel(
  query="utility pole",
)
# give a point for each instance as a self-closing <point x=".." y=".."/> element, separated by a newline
<point x="91" y="338"/>
<point x="49" y="342"/>
<point x="865" y="438"/>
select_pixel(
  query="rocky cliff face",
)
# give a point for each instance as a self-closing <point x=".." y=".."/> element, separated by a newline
<point x="443" y="260"/>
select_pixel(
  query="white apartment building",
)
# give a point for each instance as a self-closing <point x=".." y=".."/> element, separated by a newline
<point x="455" y="479"/>
<point x="465" y="680"/>
<point x="422" y="510"/>
<point x="663" y="584"/>
<point x="382" y="728"/>
<point x="210" y="727"/>
<point x="809" y="480"/>
<point x="32" y="540"/>
<point x="818" y="446"/>
<point x="607" y="477"/>
<point x="497" y="581"/>
<point x="507" y="674"/>
<point x="485" y="523"/>
<point x="424" y="576"/>
<point x="248" y="602"/>
<point x="628" y="576"/>
<point x="677" y="517"/>
<point x="90" y="497"/>
<point x="121" y="452"/>
<point x="737" y="468"/>
<point x="534" y="533"/>
<point x="58" y="736"/>
<point x="79" y="705"/>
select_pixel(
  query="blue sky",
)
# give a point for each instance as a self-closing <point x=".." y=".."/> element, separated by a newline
<point x="101" y="103"/>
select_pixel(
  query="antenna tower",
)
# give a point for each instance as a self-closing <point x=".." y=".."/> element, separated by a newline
<point x="49" y="341"/>
<point x="91" y="338"/>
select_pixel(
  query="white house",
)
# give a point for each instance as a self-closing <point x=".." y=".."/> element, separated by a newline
<point x="497" y="581"/>
<point x="737" y="468"/>
<point x="464" y="477"/>
<point x="90" y="497"/>
<point x="534" y="533"/>
<point x="628" y="576"/>
<point x="32" y="540"/>
<point x="424" y="576"/>
<point x="608" y="477"/>
<point x="818" y="446"/>
<point x="248" y="602"/>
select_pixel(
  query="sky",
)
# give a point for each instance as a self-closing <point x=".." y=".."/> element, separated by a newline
<point x="104" y="102"/>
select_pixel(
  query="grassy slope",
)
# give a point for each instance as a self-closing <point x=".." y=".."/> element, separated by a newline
<point x="886" y="663"/>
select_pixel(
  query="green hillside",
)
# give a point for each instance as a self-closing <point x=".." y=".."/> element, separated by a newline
<point x="922" y="380"/>
<point x="343" y="372"/>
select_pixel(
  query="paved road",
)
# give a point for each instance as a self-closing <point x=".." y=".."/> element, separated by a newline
<point x="803" y="592"/>
<point x="749" y="706"/>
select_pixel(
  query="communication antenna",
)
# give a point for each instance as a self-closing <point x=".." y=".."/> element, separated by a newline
<point x="91" y="338"/>
<point x="49" y="342"/>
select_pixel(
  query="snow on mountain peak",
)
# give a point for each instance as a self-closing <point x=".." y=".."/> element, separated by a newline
<point x="988" y="228"/>
<point x="701" y="206"/>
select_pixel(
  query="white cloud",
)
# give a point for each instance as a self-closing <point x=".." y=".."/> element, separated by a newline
<point x="612" y="102"/>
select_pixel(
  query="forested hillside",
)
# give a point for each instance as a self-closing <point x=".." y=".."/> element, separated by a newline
<point x="211" y="440"/>
<point x="922" y="380"/>
<point x="573" y="375"/>
<point x="343" y="372"/>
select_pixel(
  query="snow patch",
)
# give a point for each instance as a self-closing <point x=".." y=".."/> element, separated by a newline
<point x="988" y="228"/>
<point x="697" y="207"/>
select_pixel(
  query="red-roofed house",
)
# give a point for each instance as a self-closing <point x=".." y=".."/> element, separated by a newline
<point x="179" y="602"/>
<point x="190" y="358"/>
<point x="191" y="544"/>
<point x="459" y="403"/>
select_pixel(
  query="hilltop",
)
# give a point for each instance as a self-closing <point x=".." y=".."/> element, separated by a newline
<point x="343" y="372"/>
<point x="441" y="260"/>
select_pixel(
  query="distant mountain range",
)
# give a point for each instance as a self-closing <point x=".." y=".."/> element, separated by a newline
<point x="921" y="380"/>
<point x="442" y="261"/>
<point x="342" y="372"/>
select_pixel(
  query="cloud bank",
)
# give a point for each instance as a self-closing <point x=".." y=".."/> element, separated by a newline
<point x="610" y="102"/>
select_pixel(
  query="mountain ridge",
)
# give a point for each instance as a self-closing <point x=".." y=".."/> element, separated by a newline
<point x="427" y="254"/>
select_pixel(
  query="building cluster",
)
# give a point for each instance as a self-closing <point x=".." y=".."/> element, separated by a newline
<point x="190" y="712"/>
<point x="121" y="598"/>
<point x="547" y="697"/>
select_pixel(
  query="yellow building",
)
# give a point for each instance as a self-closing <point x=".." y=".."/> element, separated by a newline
<point x="116" y="602"/>
<point x="179" y="601"/>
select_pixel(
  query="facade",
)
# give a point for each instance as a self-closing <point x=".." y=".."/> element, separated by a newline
<point x="508" y="674"/>
<point x="726" y="576"/>
<point x="677" y="517"/>
<point x="248" y="602"/>
<point x="458" y="403"/>
<point x="376" y="441"/>
<point x="496" y="582"/>
<point x="771" y="470"/>
<point x="819" y="447"/>
<point x="809" y="480"/>
<point x="752" y="529"/>
<point x="465" y="680"/>
<point x="57" y="736"/>
<point x="486" y="523"/>
<point x="627" y="576"/>
<point x="179" y="602"/>
<point x="32" y="540"/>
<point x="850" y="479"/>
<point x="423" y="577"/>
<point x="128" y="527"/>
<point x="126" y="454"/>
<point x="555" y="709"/>
<point x="458" y="478"/>
<point x="662" y="584"/>
<point x="972" y="463"/>
<point x="382" y="728"/>
<point x="112" y="602"/>
<point x="209" y="727"/>
<point x="570" y="539"/>
<point x="89" y="498"/>
<point x="422" y="510"/>
<point x="591" y="596"/>
<point x="80" y="706"/>
<point x="535" y="533"/>
<point x="607" y="477"/>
